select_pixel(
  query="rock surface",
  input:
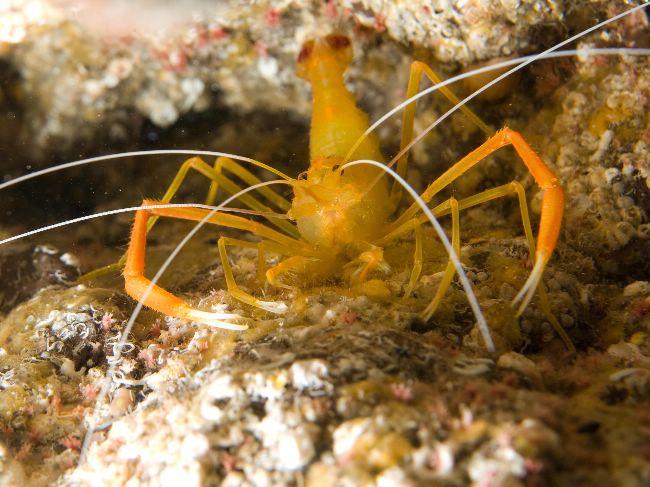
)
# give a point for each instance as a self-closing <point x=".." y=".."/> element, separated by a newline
<point x="86" y="73"/>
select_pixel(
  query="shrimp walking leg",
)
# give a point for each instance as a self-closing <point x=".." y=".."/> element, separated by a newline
<point x="219" y="180"/>
<point x="225" y="163"/>
<point x="297" y="264"/>
<point x="513" y="187"/>
<point x="136" y="283"/>
<point x="418" y="259"/>
<point x="415" y="224"/>
<point x="234" y="290"/>
<point x="419" y="69"/>
<point x="552" y="201"/>
<point x="446" y="207"/>
<point x="155" y="297"/>
<point x="450" y="270"/>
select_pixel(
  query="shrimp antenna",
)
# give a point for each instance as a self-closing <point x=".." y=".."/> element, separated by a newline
<point x="122" y="155"/>
<point x="136" y="312"/>
<point x="117" y="211"/>
<point x="508" y="73"/>
<point x="606" y="51"/>
<point x="471" y="297"/>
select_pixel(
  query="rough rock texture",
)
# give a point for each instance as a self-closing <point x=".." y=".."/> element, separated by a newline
<point x="600" y="144"/>
<point x="93" y="79"/>
<point x="362" y="395"/>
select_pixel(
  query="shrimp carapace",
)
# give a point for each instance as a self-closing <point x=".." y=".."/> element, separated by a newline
<point x="331" y="207"/>
<point x="336" y="121"/>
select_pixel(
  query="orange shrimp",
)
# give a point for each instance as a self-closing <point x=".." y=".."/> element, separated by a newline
<point x="341" y="217"/>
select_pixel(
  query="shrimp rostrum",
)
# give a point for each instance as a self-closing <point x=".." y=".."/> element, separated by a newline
<point x="343" y="214"/>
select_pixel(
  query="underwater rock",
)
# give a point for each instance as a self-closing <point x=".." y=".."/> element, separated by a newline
<point x="600" y="144"/>
<point x="32" y="270"/>
<point x="90" y="72"/>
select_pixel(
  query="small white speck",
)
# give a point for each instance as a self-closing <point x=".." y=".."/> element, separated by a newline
<point x="46" y="249"/>
<point x="69" y="259"/>
<point x="268" y="67"/>
<point x="611" y="174"/>
<point x="67" y="368"/>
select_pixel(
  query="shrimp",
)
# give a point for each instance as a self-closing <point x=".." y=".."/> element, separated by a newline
<point x="343" y="214"/>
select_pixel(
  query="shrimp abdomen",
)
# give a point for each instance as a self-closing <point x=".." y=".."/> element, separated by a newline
<point x="337" y="122"/>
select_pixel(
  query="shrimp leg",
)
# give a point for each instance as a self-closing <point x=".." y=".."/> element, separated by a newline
<point x="418" y="259"/>
<point x="446" y="207"/>
<point x="514" y="187"/>
<point x="294" y="264"/>
<point x="450" y="270"/>
<point x="218" y="180"/>
<point x="225" y="163"/>
<point x="552" y="202"/>
<point x="234" y="290"/>
<point x="419" y="69"/>
<point x="136" y="284"/>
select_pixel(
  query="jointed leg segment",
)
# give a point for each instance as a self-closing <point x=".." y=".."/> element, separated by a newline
<point x="552" y="202"/>
<point x="452" y="206"/>
<point x="419" y="69"/>
<point x="451" y="269"/>
<point x="225" y="163"/>
<point x="234" y="290"/>
<point x="139" y="287"/>
<point x="219" y="180"/>
<point x="418" y="259"/>
<point x="553" y="199"/>
<point x="295" y="264"/>
<point x="513" y="187"/>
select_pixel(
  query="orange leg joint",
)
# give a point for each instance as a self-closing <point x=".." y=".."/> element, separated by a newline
<point x="553" y="199"/>
<point x="141" y="289"/>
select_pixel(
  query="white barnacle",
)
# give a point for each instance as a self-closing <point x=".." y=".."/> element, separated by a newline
<point x="67" y="368"/>
<point x="46" y="249"/>
<point x="472" y="366"/>
<point x="69" y="259"/>
<point x="7" y="378"/>
<point x="309" y="374"/>
<point x="210" y="411"/>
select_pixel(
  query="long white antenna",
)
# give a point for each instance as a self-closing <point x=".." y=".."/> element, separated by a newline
<point x="128" y="209"/>
<point x="471" y="297"/>
<point x="588" y="51"/>
<point x="508" y="73"/>
<point x="121" y="155"/>
<point x="608" y="51"/>
<point x="129" y="325"/>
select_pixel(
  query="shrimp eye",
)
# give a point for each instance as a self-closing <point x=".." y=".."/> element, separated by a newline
<point x="306" y="51"/>
<point x="337" y="41"/>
